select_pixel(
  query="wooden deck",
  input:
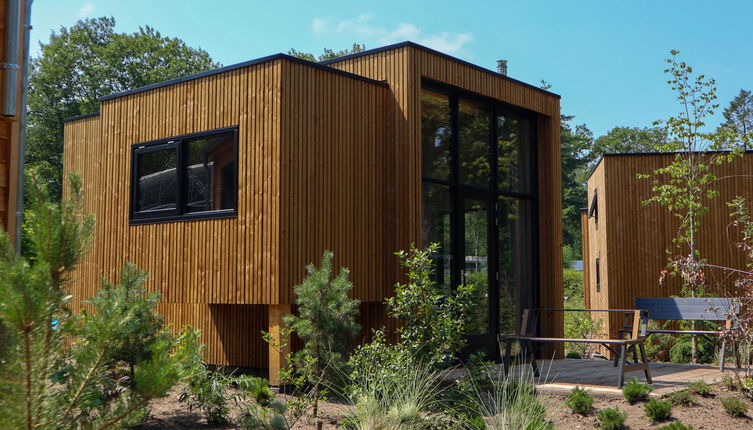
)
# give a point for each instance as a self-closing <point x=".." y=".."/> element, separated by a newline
<point x="599" y="376"/>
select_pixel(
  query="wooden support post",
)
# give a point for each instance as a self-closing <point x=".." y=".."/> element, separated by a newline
<point x="277" y="357"/>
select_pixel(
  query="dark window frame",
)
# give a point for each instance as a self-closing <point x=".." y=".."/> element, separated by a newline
<point x="593" y="211"/>
<point x="598" y="275"/>
<point x="179" y="213"/>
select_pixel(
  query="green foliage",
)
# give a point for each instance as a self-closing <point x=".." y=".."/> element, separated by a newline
<point x="635" y="391"/>
<point x="611" y="419"/>
<point x="87" y="61"/>
<point x="505" y="401"/>
<point x="575" y="142"/>
<point x="578" y="324"/>
<point x="208" y="393"/>
<point x="699" y="388"/>
<point x="395" y="402"/>
<point x="572" y="281"/>
<point x="682" y="398"/>
<point x="658" y="410"/>
<point x="676" y="426"/>
<point x="579" y="401"/>
<point x="325" y="321"/>
<point x="574" y="355"/>
<point x="682" y="350"/>
<point x="328" y="54"/>
<point x="735" y="407"/>
<point x="433" y="322"/>
<point x="620" y="140"/>
<point x="731" y="383"/>
<point x="97" y="369"/>
<point x="738" y="118"/>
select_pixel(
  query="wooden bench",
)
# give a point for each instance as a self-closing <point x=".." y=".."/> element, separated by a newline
<point x="620" y="347"/>
<point x="688" y="309"/>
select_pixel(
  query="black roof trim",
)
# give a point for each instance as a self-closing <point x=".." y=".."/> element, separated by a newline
<point x="84" y="116"/>
<point x="240" y="66"/>
<point x="441" y="54"/>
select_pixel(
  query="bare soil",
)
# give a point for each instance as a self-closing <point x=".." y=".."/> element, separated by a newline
<point x="708" y="414"/>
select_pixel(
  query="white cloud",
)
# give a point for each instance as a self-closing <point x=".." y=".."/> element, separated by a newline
<point x="362" y="28"/>
<point x="85" y="10"/>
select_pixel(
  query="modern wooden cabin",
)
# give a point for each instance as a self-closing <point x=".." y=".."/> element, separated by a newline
<point x="625" y="242"/>
<point x="225" y="184"/>
<point x="13" y="56"/>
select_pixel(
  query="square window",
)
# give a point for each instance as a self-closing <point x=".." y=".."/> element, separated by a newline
<point x="185" y="177"/>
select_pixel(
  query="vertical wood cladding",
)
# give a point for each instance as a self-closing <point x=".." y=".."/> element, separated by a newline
<point x="404" y="69"/>
<point x="632" y="238"/>
<point x="326" y="161"/>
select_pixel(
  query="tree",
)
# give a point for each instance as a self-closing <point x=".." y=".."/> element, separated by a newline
<point x="621" y="140"/>
<point x="739" y="118"/>
<point x="327" y="54"/>
<point x="78" y="65"/>
<point x="326" y="325"/>
<point x="686" y="183"/>
<point x="60" y="370"/>
<point x="575" y="145"/>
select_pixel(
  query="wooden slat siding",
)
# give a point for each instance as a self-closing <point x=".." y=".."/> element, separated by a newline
<point x="633" y="237"/>
<point x="330" y="156"/>
<point x="586" y="259"/>
<point x="403" y="69"/>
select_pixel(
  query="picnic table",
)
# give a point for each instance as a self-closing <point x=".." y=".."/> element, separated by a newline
<point x="621" y="347"/>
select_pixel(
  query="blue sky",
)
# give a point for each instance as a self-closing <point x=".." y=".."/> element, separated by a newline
<point x="604" y="57"/>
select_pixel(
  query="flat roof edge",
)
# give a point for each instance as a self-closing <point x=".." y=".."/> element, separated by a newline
<point x="242" y="65"/>
<point x="84" y="116"/>
<point x="441" y="54"/>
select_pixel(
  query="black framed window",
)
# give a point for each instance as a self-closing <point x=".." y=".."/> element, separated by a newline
<point x="185" y="177"/>
<point x="480" y="204"/>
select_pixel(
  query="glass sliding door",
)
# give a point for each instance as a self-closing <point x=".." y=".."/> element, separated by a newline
<point x="479" y="205"/>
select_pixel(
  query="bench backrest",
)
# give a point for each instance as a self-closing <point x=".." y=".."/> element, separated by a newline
<point x="691" y="309"/>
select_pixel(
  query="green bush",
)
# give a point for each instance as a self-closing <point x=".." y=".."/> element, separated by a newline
<point x="731" y="383"/>
<point x="574" y="354"/>
<point x="611" y="419"/>
<point x="699" y="388"/>
<point x="658" y="410"/>
<point x="579" y="401"/>
<point x="682" y="350"/>
<point x="676" y="426"/>
<point x="207" y="392"/>
<point x="635" y="391"/>
<point x="735" y="407"/>
<point x="97" y="369"/>
<point x="682" y="398"/>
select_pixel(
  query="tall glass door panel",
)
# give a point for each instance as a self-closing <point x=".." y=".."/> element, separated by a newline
<point x="475" y="264"/>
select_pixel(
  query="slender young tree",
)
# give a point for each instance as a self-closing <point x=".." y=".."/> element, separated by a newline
<point x="687" y="183"/>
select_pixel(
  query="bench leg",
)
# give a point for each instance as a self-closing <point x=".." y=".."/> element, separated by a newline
<point x="646" y="371"/>
<point x="635" y="354"/>
<point x="724" y="355"/>
<point x="616" y="358"/>
<point x="623" y="353"/>
<point x="508" y="351"/>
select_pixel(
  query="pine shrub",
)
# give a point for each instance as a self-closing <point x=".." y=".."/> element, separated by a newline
<point x="699" y="388"/>
<point x="635" y="391"/>
<point x="677" y="425"/>
<point x="579" y="401"/>
<point x="682" y="398"/>
<point x="658" y="410"/>
<point x="731" y="383"/>
<point x="611" y="419"/>
<point x="735" y="407"/>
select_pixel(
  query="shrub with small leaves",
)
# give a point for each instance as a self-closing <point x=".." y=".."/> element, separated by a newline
<point x="658" y="410"/>
<point x="731" y="383"/>
<point x="682" y="398"/>
<point x="580" y="401"/>
<point x="676" y="426"/>
<point x="699" y="388"/>
<point x="735" y="407"/>
<point x="635" y="391"/>
<point x="611" y="419"/>
<point x="573" y="354"/>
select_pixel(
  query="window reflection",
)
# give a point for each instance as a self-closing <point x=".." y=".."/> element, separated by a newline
<point x="473" y="139"/>
<point x="156" y="177"/>
<point x="437" y="223"/>
<point x="210" y="173"/>
<point x="435" y="135"/>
